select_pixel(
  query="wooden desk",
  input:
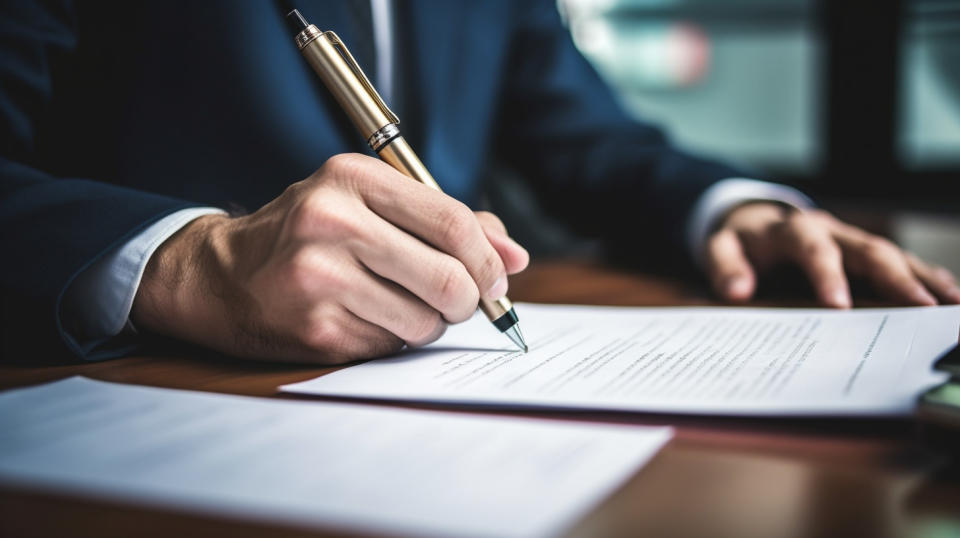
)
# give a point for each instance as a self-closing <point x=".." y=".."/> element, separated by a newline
<point x="719" y="477"/>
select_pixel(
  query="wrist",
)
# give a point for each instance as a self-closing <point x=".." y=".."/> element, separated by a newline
<point x="176" y="296"/>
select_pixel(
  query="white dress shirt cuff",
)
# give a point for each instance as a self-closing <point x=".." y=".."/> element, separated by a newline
<point x="727" y="194"/>
<point x="96" y="306"/>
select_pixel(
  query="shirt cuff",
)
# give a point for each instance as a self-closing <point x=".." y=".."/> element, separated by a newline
<point x="727" y="194"/>
<point x="96" y="306"/>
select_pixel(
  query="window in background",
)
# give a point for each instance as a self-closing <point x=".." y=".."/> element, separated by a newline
<point x="735" y="78"/>
<point x="930" y="90"/>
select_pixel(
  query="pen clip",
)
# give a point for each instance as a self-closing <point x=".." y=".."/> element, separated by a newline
<point x="334" y="40"/>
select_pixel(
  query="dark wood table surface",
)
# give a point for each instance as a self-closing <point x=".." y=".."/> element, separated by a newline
<point x="718" y="477"/>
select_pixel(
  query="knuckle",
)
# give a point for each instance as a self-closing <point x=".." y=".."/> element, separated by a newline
<point x="323" y="334"/>
<point x="306" y="213"/>
<point x="490" y="269"/>
<point x="807" y="248"/>
<point x="800" y="222"/>
<point x="457" y="295"/>
<point x="295" y="191"/>
<point x="324" y="216"/>
<point x="819" y="249"/>
<point x="343" y="164"/>
<point x="339" y="224"/>
<point x="352" y="170"/>
<point x="301" y="272"/>
<point x="879" y="248"/>
<point x="781" y="230"/>
<point x="305" y="272"/>
<point x="425" y="328"/>
<point x="452" y="282"/>
<point x="457" y="224"/>
<point x="323" y="337"/>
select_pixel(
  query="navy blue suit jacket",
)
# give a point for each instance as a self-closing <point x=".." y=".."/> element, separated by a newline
<point x="115" y="115"/>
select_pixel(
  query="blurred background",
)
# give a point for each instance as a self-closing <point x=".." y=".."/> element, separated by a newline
<point x="855" y="102"/>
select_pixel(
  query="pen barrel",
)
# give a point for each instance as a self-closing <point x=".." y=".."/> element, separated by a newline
<point x="499" y="310"/>
<point x="347" y="88"/>
<point x="398" y="154"/>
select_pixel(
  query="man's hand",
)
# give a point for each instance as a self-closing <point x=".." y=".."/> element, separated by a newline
<point x="757" y="236"/>
<point x="350" y="263"/>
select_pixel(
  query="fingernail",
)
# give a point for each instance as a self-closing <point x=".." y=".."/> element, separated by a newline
<point x="738" y="287"/>
<point x="499" y="289"/>
<point x="955" y="295"/>
<point x="841" y="299"/>
<point x="922" y="296"/>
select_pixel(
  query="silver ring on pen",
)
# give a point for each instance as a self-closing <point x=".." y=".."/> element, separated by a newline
<point x="307" y="35"/>
<point x="382" y="136"/>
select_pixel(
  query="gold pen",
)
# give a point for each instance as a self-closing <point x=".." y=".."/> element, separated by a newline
<point x="334" y="64"/>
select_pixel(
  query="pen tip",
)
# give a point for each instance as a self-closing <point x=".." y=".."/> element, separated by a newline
<point x="514" y="334"/>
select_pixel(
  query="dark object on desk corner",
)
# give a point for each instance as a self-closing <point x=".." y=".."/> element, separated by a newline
<point x="938" y="409"/>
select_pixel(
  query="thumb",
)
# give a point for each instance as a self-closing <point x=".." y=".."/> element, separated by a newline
<point x="730" y="272"/>
<point x="515" y="258"/>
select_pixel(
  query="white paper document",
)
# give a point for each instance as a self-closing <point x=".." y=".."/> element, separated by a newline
<point x="338" y="465"/>
<point x="702" y="360"/>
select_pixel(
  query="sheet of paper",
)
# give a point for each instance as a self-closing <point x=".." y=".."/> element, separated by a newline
<point x="704" y="360"/>
<point x="341" y="465"/>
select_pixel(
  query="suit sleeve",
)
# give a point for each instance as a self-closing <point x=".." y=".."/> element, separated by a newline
<point x="610" y="176"/>
<point x="52" y="227"/>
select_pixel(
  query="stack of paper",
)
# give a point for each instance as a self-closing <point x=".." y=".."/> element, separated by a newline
<point x="358" y="467"/>
<point x="737" y="361"/>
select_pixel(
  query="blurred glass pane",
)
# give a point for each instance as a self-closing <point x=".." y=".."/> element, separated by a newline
<point x="930" y="91"/>
<point x="734" y="78"/>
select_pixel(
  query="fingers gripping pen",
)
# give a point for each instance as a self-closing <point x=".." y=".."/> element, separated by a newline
<point x="338" y="70"/>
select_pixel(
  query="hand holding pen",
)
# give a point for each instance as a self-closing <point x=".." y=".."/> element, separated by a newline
<point x="333" y="63"/>
<point x="351" y="263"/>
